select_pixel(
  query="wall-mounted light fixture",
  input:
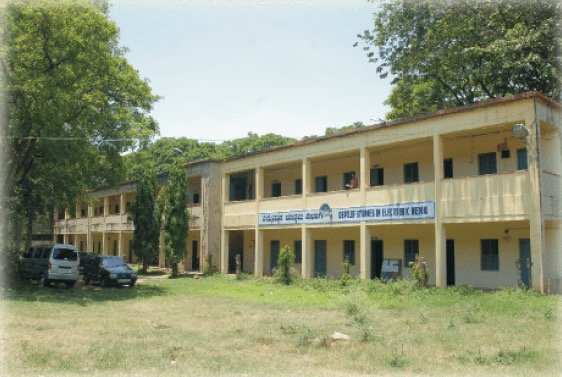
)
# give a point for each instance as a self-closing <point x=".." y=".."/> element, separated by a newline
<point x="519" y="130"/>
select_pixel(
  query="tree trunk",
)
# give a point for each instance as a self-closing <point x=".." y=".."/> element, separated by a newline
<point x="29" y="230"/>
<point x="144" y="265"/>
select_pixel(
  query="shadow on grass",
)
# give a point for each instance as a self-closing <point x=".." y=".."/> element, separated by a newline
<point x="82" y="295"/>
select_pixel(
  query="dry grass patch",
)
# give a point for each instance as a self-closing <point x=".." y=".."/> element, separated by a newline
<point x="220" y="326"/>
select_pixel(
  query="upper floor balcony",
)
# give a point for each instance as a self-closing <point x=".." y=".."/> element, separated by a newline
<point x="484" y="179"/>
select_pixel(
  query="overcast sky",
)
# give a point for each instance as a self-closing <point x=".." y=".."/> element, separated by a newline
<point x="227" y="69"/>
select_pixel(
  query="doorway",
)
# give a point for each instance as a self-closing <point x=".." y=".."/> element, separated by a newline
<point x="235" y="246"/>
<point x="195" y="263"/>
<point x="450" y="249"/>
<point x="319" y="258"/>
<point x="525" y="261"/>
<point x="377" y="255"/>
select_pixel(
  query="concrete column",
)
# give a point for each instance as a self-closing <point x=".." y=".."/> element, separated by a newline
<point x="89" y="243"/>
<point x="225" y="188"/>
<point x="224" y="252"/>
<point x="103" y="250"/>
<point x="259" y="183"/>
<point x="306" y="177"/>
<point x="306" y="245"/>
<point x="122" y="204"/>
<point x="364" y="251"/>
<point x="258" y="253"/>
<point x="536" y="221"/>
<point x="65" y="238"/>
<point x="120" y="244"/>
<point x="106" y="206"/>
<point x="364" y="170"/>
<point x="440" y="234"/>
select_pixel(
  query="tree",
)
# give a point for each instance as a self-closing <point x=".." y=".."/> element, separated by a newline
<point x="146" y="235"/>
<point x="164" y="151"/>
<point x="74" y="103"/>
<point x="457" y="52"/>
<point x="334" y="130"/>
<point x="176" y="217"/>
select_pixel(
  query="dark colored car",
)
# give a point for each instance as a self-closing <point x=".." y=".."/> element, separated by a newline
<point x="108" y="270"/>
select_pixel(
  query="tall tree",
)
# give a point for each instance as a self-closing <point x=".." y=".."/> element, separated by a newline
<point x="74" y="103"/>
<point x="176" y="217"/>
<point x="146" y="235"/>
<point x="456" y="52"/>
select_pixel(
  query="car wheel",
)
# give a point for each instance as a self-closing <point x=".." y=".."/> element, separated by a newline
<point x="132" y="284"/>
<point x="70" y="284"/>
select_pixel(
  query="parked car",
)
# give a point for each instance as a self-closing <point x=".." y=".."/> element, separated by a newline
<point x="108" y="270"/>
<point x="51" y="263"/>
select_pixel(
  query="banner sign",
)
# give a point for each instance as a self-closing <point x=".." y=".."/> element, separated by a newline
<point x="327" y="215"/>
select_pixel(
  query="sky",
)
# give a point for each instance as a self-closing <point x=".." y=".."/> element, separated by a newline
<point x="224" y="69"/>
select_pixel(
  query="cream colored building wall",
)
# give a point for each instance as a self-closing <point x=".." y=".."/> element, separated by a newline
<point x="467" y="239"/>
<point x="285" y="236"/>
<point x="553" y="262"/>
<point x="393" y="237"/>
<point x="393" y="160"/>
<point x="286" y="175"/>
<point x="465" y="150"/>
<point x="334" y="167"/>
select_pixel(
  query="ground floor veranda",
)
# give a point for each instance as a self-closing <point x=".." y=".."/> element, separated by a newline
<point x="484" y="255"/>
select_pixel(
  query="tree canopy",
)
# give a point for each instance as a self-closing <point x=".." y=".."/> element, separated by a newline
<point x="455" y="52"/>
<point x="167" y="152"/>
<point x="74" y="102"/>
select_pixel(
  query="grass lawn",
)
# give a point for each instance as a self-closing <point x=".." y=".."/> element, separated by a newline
<point x="221" y="326"/>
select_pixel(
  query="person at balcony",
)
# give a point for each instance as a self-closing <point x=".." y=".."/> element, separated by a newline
<point x="353" y="183"/>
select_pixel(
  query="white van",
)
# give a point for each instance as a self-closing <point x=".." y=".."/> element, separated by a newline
<point x="51" y="263"/>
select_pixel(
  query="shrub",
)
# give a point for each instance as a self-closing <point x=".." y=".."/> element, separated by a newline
<point x="346" y="277"/>
<point x="284" y="273"/>
<point x="420" y="271"/>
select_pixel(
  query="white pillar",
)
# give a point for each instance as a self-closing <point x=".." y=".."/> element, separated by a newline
<point x="440" y="234"/>
<point x="224" y="252"/>
<point x="258" y="253"/>
<point x="364" y="252"/>
<point x="306" y="246"/>
<point x="103" y="250"/>
<point x="122" y="204"/>
<point x="120" y="244"/>
<point x="259" y="184"/>
<point x="364" y="169"/>
<point x="536" y="221"/>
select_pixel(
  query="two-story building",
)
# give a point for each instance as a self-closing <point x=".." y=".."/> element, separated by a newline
<point x="473" y="190"/>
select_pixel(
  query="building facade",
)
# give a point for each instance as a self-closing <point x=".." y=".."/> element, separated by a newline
<point x="475" y="191"/>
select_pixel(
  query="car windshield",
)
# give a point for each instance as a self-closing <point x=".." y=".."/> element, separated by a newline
<point x="113" y="262"/>
<point x="65" y="254"/>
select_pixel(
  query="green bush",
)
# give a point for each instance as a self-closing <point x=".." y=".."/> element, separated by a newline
<point x="284" y="273"/>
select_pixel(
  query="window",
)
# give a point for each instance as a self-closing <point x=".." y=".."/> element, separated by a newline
<point x="81" y="245"/>
<point x="505" y="153"/>
<point x="298" y="251"/>
<point x="241" y="186"/>
<point x="522" y="159"/>
<point x="411" y="251"/>
<point x="411" y="172"/>
<point x="448" y="168"/>
<point x="60" y="215"/>
<point x="377" y="176"/>
<point x="350" y="180"/>
<point x="487" y="163"/>
<point x="298" y="186"/>
<point x="82" y="212"/>
<point x="321" y="183"/>
<point x="195" y="198"/>
<point x="275" y="247"/>
<point x="276" y="189"/>
<point x="116" y="208"/>
<point x="489" y="258"/>
<point x="349" y="251"/>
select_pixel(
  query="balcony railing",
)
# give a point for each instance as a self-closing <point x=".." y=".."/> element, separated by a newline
<point x="486" y="198"/>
